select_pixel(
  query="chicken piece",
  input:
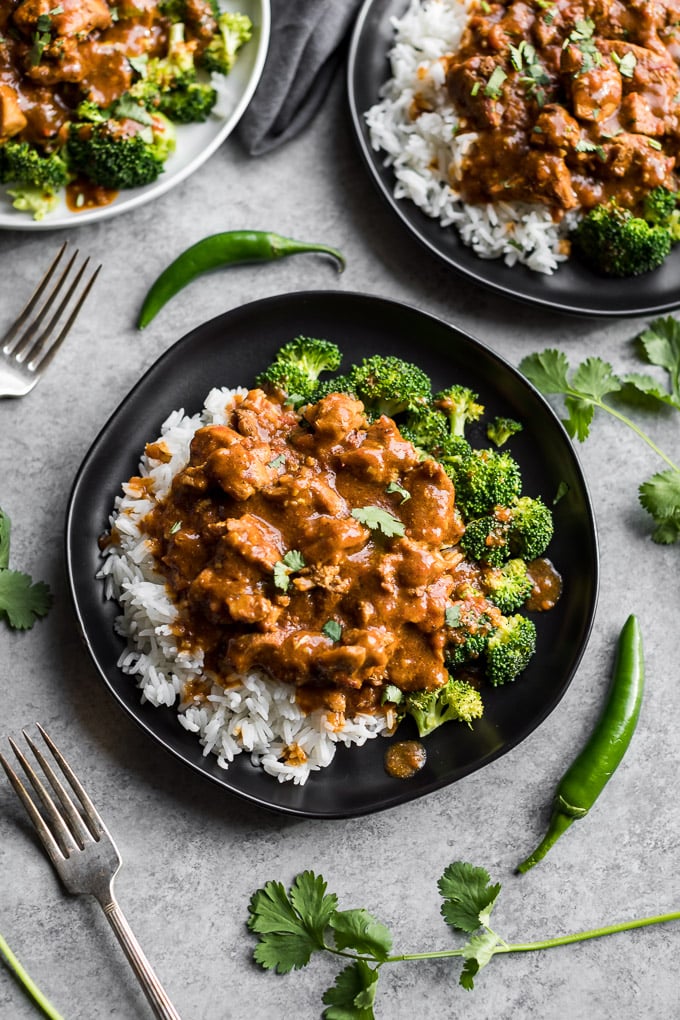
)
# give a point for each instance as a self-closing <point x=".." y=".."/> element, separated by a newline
<point x="466" y="82"/>
<point x="257" y="541"/>
<point x="12" y="120"/>
<point x="551" y="179"/>
<point x="636" y="115"/>
<point x="595" y="92"/>
<point x="335" y="416"/>
<point x="430" y="514"/>
<point x="71" y="17"/>
<point x="242" y="469"/>
<point x="225" y="597"/>
<point x="210" y="438"/>
<point x="631" y="156"/>
<point x="555" y="128"/>
<point x="329" y="540"/>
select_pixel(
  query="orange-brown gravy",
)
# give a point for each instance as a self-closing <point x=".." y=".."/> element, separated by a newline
<point x="405" y="758"/>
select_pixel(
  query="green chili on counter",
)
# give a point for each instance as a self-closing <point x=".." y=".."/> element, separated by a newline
<point x="230" y="248"/>
<point x="587" y="776"/>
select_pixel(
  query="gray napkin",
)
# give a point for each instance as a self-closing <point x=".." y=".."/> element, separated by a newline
<point x="305" y="49"/>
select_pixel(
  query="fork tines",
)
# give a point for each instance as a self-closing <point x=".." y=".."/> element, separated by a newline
<point x="31" y="340"/>
<point x="62" y="826"/>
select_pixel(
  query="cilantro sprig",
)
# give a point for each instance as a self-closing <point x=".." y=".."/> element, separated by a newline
<point x="585" y="390"/>
<point x="292" y="926"/>
<point x="21" y="600"/>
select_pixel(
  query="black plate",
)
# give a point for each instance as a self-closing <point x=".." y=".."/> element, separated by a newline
<point x="571" y="289"/>
<point x="230" y="350"/>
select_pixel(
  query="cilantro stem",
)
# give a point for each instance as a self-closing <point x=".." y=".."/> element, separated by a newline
<point x="560" y="940"/>
<point x="631" y="424"/>
<point x="27" y="982"/>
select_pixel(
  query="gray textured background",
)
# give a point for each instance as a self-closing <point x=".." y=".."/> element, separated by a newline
<point x="192" y="855"/>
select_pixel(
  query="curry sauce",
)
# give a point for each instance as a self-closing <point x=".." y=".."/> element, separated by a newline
<point x="269" y="547"/>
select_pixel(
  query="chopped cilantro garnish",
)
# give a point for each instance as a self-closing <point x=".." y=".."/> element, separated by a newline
<point x="291" y="562"/>
<point x="493" y="86"/>
<point x="21" y="601"/>
<point x="332" y="630"/>
<point x="379" y="520"/>
<point x="399" y="489"/>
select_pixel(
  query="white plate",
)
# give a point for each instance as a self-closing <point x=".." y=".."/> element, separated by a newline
<point x="195" y="142"/>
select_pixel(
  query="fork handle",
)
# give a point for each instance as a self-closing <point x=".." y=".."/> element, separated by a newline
<point x="153" y="989"/>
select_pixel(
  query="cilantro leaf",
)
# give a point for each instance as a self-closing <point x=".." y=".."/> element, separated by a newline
<point x="379" y="520"/>
<point x="353" y="994"/>
<point x="357" y="929"/>
<point x="21" y="600"/>
<point x="661" y="345"/>
<point x="332" y="630"/>
<point x="477" y="952"/>
<point x="283" y="568"/>
<point x="660" y="496"/>
<point x="547" y="370"/>
<point x="642" y="389"/>
<point x="594" y="378"/>
<point x="399" y="489"/>
<point x="468" y="896"/>
<point x="290" y="928"/>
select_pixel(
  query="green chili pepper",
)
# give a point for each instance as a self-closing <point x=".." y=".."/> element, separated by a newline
<point x="587" y="776"/>
<point x="230" y="248"/>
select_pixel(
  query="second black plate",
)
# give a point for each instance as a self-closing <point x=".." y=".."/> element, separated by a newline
<point x="573" y="288"/>
<point x="229" y="351"/>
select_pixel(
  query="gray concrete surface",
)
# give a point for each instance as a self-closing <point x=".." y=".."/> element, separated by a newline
<point x="193" y="856"/>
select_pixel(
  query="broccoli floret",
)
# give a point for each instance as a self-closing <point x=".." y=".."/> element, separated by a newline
<point x="233" y="30"/>
<point x="510" y="649"/>
<point x="485" y="479"/>
<point x="427" y="429"/>
<point x="658" y="206"/>
<point x="33" y="200"/>
<point x="460" y="405"/>
<point x="486" y="538"/>
<point x="298" y="365"/>
<point x="501" y="429"/>
<point x="120" y="154"/>
<point x="177" y="67"/>
<point x="614" y="242"/>
<point x="26" y="167"/>
<point x="522" y="530"/>
<point x="338" y="384"/>
<point x="471" y="624"/>
<point x="388" y="385"/>
<point x="456" y="700"/>
<point x="531" y="528"/>
<point x="508" y="586"/>
<point x="188" y="104"/>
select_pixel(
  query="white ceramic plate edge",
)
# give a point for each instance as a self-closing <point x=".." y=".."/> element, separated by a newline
<point x="197" y="142"/>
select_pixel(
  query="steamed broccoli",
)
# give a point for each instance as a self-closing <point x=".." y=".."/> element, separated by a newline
<point x="486" y="538"/>
<point x="456" y="700"/>
<point x="470" y="621"/>
<point x="614" y="242"/>
<point x="187" y="104"/>
<point x="427" y="429"/>
<point x="508" y="586"/>
<point x="460" y="406"/>
<point x="120" y="153"/>
<point x="233" y="30"/>
<point x="660" y="209"/>
<point x="388" y="385"/>
<point x="26" y="167"/>
<point x="501" y="429"/>
<point x="298" y="365"/>
<point x="33" y="200"/>
<point x="523" y="529"/>
<point x="170" y="84"/>
<point x="531" y="528"/>
<point x="510" y="649"/>
<point x="485" y="479"/>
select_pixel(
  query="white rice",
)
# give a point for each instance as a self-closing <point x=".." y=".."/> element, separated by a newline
<point x="260" y="715"/>
<point x="426" y="153"/>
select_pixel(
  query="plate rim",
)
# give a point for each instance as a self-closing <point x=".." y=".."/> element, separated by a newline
<point x="547" y="303"/>
<point x="159" y="187"/>
<point x="223" y="779"/>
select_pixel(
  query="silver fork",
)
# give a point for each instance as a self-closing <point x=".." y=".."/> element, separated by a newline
<point x="82" y="852"/>
<point x="34" y="338"/>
